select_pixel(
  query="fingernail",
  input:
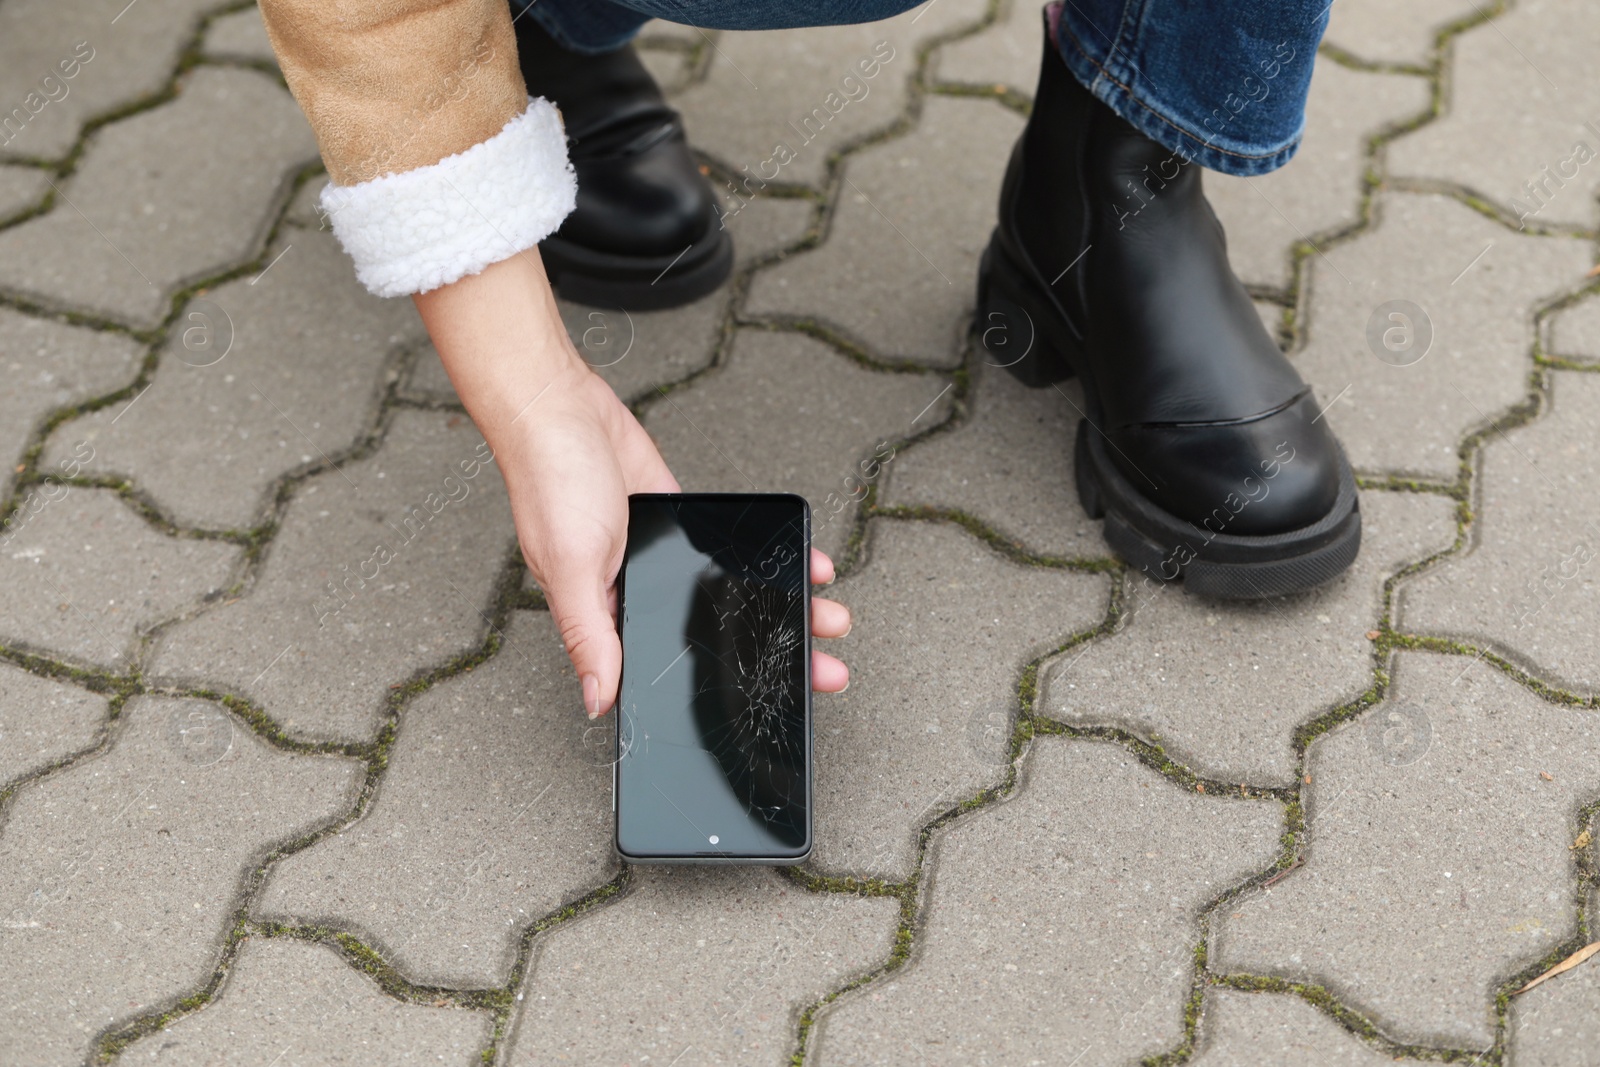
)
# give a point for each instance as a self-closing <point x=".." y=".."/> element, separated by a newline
<point x="591" y="695"/>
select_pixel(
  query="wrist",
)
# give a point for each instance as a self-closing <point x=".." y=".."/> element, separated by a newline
<point x="502" y="342"/>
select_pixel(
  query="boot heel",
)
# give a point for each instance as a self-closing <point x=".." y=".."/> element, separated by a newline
<point x="1017" y="326"/>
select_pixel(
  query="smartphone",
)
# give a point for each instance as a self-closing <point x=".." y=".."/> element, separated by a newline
<point x="713" y="759"/>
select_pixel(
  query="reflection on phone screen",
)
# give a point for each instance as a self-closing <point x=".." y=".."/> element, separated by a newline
<point x="713" y="711"/>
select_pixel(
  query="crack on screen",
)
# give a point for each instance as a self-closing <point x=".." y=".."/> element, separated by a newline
<point x="746" y="696"/>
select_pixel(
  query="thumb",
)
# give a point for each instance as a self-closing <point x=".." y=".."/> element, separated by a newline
<point x="581" y="609"/>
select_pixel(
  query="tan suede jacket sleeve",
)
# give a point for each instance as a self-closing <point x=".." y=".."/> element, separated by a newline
<point x="440" y="162"/>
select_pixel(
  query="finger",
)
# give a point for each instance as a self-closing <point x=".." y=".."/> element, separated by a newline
<point x="829" y="618"/>
<point x="828" y="675"/>
<point x="643" y="469"/>
<point x="821" y="568"/>
<point x="580" y="604"/>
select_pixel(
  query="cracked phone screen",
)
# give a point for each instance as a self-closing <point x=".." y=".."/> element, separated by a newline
<point x="714" y="709"/>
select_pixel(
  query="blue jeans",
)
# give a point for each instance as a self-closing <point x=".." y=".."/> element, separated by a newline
<point x="1221" y="84"/>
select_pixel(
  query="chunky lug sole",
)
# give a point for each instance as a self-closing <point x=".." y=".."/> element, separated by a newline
<point x="639" y="283"/>
<point x="1039" y="347"/>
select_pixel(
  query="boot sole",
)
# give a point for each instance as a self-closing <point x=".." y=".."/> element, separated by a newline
<point x="638" y="283"/>
<point x="1163" y="546"/>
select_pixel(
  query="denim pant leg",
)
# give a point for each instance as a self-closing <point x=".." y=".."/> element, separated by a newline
<point x="593" y="26"/>
<point x="1222" y="84"/>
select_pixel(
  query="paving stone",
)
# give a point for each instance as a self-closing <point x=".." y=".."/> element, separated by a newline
<point x="943" y="629"/>
<point x="1060" y="925"/>
<point x="1409" y="417"/>
<point x="1010" y="465"/>
<point x="914" y="214"/>
<point x="239" y="35"/>
<point x="1222" y="685"/>
<point x="381" y="570"/>
<point x="1528" y="583"/>
<point x="672" y="68"/>
<point x="490" y="817"/>
<point x="304" y="207"/>
<point x="175" y="193"/>
<point x="304" y="1000"/>
<point x="1527" y="97"/>
<point x="1248" y="1029"/>
<point x="118" y="874"/>
<point x="660" y="29"/>
<point x="1319" y="191"/>
<point x="267" y="374"/>
<point x="1437" y="862"/>
<point x="42" y="721"/>
<point x="717" y="959"/>
<point x="763" y="87"/>
<point x="113" y="59"/>
<point x="1575" y="331"/>
<point x="85" y="577"/>
<point x="1382" y="32"/>
<point x="1004" y="56"/>
<point x="1557" y="1024"/>
<point x="638" y="351"/>
<point x="21" y="188"/>
<point x="48" y="366"/>
<point x="789" y="414"/>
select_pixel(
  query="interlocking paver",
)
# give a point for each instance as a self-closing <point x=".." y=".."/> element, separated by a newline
<point x="1575" y="331"/>
<point x="110" y="59"/>
<point x="1530" y="96"/>
<point x="1380" y="32"/>
<point x="1004" y="56"/>
<point x="1437" y="861"/>
<point x="1557" y="1024"/>
<point x="914" y="215"/>
<point x="717" y="960"/>
<point x="1319" y="191"/>
<point x="1528" y="583"/>
<point x="1249" y="1029"/>
<point x="303" y="1003"/>
<point x="1010" y="466"/>
<point x="1059" y="926"/>
<point x="492" y="815"/>
<point x="118" y="874"/>
<point x="21" y="188"/>
<point x="1474" y="282"/>
<point x="382" y="569"/>
<point x="1222" y="685"/>
<point x="47" y="366"/>
<point x="639" y="351"/>
<point x="85" y="577"/>
<point x="672" y="68"/>
<point x="777" y="105"/>
<point x="943" y="629"/>
<point x="265" y="374"/>
<point x="787" y="412"/>
<point x="239" y="35"/>
<point x="489" y="809"/>
<point x="42" y="721"/>
<point x="166" y="196"/>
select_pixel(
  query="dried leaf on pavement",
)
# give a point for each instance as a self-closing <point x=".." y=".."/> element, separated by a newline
<point x="1565" y="965"/>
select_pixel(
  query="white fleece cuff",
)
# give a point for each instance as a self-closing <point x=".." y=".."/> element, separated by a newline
<point x="423" y="228"/>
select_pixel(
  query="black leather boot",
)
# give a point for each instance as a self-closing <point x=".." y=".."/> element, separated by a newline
<point x="645" y="232"/>
<point x="1202" y="447"/>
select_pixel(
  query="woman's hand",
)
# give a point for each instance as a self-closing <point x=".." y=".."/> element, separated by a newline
<point x="570" y="452"/>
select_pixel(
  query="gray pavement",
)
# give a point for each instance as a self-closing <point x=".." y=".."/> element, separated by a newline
<point x="260" y="807"/>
